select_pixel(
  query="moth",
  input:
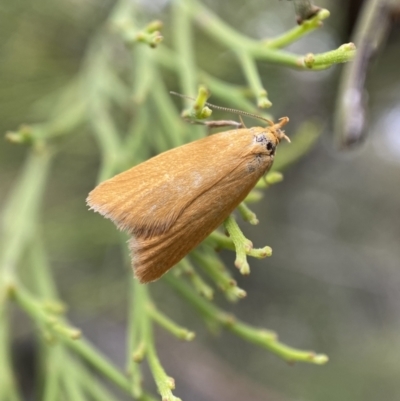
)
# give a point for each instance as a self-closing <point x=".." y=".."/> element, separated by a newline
<point x="173" y="201"/>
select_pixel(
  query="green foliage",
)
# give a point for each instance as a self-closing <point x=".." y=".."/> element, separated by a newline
<point x="136" y="89"/>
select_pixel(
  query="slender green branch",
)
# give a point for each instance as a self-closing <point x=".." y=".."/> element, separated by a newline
<point x="228" y="37"/>
<point x="254" y="196"/>
<point x="99" y="362"/>
<point x="169" y="325"/>
<point x="150" y="34"/>
<point x="52" y="371"/>
<point x="123" y="22"/>
<point x="44" y="285"/>
<point x="214" y="26"/>
<point x="197" y="282"/>
<point x="322" y="61"/>
<point x="218" y="240"/>
<point x="169" y="118"/>
<point x="260" y="337"/>
<point x="8" y="387"/>
<point x="183" y="43"/>
<point x="273" y="177"/>
<point x="135" y="143"/>
<point x="199" y="109"/>
<point x="90" y="383"/>
<point x="231" y="94"/>
<point x="21" y="210"/>
<point x="298" y="32"/>
<point x="68" y="120"/>
<point x="39" y="314"/>
<point x="69" y="337"/>
<point x="69" y="111"/>
<point x="102" y="123"/>
<point x="216" y="270"/>
<point x="247" y="214"/>
<point x="243" y="246"/>
<point x="72" y="388"/>
<point x="142" y="75"/>
<point x="253" y="78"/>
<point x="165" y="383"/>
<point x="136" y="344"/>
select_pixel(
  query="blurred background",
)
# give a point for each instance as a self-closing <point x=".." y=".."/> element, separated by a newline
<point x="333" y="281"/>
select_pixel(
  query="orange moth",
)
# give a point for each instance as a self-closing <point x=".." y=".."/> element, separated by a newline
<point x="173" y="201"/>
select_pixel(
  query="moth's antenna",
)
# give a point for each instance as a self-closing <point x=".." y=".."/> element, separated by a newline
<point x="213" y="106"/>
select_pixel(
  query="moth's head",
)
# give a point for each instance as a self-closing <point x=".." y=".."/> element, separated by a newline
<point x="269" y="138"/>
<point x="276" y="129"/>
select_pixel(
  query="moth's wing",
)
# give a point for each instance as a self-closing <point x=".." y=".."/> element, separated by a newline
<point x="153" y="256"/>
<point x="149" y="198"/>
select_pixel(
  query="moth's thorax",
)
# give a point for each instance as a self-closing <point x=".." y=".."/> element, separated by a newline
<point x="260" y="150"/>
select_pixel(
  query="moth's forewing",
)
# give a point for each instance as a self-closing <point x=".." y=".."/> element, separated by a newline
<point x="173" y="201"/>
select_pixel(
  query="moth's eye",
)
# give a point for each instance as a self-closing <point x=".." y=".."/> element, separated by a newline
<point x="269" y="145"/>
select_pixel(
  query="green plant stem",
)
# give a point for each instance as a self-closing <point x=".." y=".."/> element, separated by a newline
<point x="122" y="14"/>
<point x="136" y="344"/>
<point x="297" y="32"/>
<point x="169" y="325"/>
<point x="243" y="246"/>
<point x="247" y="214"/>
<point x="142" y="74"/>
<point x="253" y="78"/>
<point x="254" y="196"/>
<point x="215" y="27"/>
<point x="101" y="121"/>
<point x="51" y="371"/>
<point x="99" y="362"/>
<point x="38" y="313"/>
<point x="83" y="348"/>
<point x="183" y="43"/>
<point x="68" y="337"/>
<point x="229" y="38"/>
<point x="89" y="382"/>
<point x="8" y="388"/>
<point x="68" y="120"/>
<point x="169" y="118"/>
<point x="218" y="240"/>
<point x="71" y="386"/>
<point x="325" y="60"/>
<point x="39" y="263"/>
<point x="164" y="383"/>
<point x="273" y="177"/>
<point x="231" y="94"/>
<point x="137" y="138"/>
<point x="260" y="337"/>
<point x="216" y="270"/>
<point x="21" y="210"/>
<point x="197" y="282"/>
<point x="52" y="356"/>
